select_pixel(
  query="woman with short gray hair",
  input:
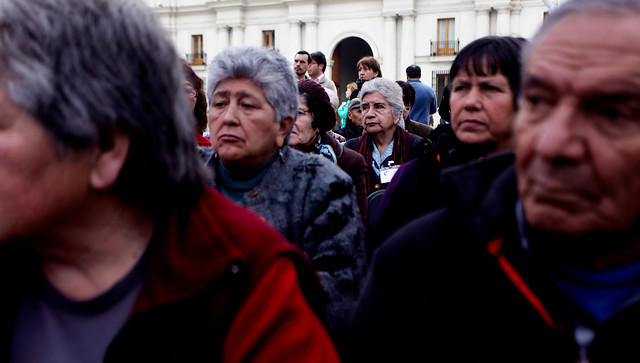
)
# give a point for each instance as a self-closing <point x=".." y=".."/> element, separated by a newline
<point x="384" y="142"/>
<point x="253" y="95"/>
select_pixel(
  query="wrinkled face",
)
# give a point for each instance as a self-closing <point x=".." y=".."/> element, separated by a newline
<point x="244" y="131"/>
<point x="301" y="65"/>
<point x="40" y="189"/>
<point x="366" y="73"/>
<point x="314" y="70"/>
<point x="302" y="132"/>
<point x="482" y="110"/>
<point x="578" y="130"/>
<point x="356" y="116"/>
<point x="376" y="112"/>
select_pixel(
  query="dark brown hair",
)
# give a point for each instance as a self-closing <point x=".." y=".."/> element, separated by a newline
<point x="200" y="110"/>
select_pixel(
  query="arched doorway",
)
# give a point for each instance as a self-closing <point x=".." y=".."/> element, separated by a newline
<point x="345" y="57"/>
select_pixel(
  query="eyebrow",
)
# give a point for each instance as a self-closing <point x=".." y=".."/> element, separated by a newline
<point x="534" y="81"/>
<point x="373" y="103"/>
<point x="226" y="93"/>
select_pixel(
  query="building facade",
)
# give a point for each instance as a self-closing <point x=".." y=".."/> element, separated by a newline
<point x="397" y="33"/>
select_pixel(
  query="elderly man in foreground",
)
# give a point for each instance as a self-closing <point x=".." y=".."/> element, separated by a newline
<point x="539" y="262"/>
<point x="111" y="246"/>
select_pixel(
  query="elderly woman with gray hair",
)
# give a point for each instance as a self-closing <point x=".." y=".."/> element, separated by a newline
<point x="383" y="141"/>
<point x="253" y="95"/>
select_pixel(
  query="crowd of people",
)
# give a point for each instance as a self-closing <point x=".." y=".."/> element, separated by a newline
<point x="509" y="232"/>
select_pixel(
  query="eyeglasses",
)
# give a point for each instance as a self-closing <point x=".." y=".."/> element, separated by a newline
<point x="302" y="112"/>
<point x="191" y="92"/>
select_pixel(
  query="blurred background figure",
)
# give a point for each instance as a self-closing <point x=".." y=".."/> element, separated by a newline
<point x="409" y="97"/>
<point x="443" y="108"/>
<point x="353" y="127"/>
<point x="383" y="141"/>
<point x="310" y="134"/>
<point x="425" y="104"/>
<point x="253" y="97"/>
<point x="344" y="107"/>
<point x="368" y="69"/>
<point x="198" y="102"/>
<point x="316" y="70"/>
<point x="485" y="78"/>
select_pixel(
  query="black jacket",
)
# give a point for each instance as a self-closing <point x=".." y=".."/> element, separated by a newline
<point x="457" y="286"/>
<point x="416" y="188"/>
<point x="350" y="130"/>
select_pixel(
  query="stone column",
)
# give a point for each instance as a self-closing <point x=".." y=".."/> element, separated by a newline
<point x="237" y="35"/>
<point x="390" y="48"/>
<point x="295" y="37"/>
<point x="311" y="36"/>
<point x="223" y="38"/>
<point x="408" y="46"/>
<point x="515" y="22"/>
<point x="504" y="22"/>
<point x="482" y="23"/>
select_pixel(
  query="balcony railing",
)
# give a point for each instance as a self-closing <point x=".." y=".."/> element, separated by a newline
<point x="449" y="47"/>
<point x="197" y="59"/>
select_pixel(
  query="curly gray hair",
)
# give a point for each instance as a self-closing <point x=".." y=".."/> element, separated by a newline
<point x="266" y="68"/>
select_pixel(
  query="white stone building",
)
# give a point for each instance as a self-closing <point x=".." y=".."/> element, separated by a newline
<point x="397" y="32"/>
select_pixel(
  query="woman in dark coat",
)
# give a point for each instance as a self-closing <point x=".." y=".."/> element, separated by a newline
<point x="309" y="134"/>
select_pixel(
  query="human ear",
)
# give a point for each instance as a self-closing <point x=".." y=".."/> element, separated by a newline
<point x="109" y="162"/>
<point x="284" y="127"/>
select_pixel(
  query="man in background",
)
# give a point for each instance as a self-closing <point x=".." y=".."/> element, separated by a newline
<point x="426" y="104"/>
<point x="301" y="64"/>
<point x="316" y="71"/>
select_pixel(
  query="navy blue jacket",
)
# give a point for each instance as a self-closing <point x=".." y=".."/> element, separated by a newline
<point x="456" y="285"/>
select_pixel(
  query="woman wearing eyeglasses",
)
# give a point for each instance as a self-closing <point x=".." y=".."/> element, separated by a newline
<point x="310" y="135"/>
<point x="198" y="101"/>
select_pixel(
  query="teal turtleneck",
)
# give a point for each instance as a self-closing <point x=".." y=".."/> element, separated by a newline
<point x="235" y="184"/>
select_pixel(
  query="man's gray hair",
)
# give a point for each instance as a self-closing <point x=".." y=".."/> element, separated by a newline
<point x="88" y="69"/>
<point x="576" y="7"/>
<point x="389" y="89"/>
<point x="266" y="68"/>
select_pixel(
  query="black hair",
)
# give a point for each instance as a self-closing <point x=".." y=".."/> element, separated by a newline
<point x="491" y="55"/>
<point x="319" y="58"/>
<point x="414" y="71"/>
<point x="408" y="92"/>
<point x="305" y="53"/>
<point x="443" y="106"/>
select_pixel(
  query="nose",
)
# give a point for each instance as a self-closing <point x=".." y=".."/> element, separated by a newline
<point x="560" y="137"/>
<point x="230" y="114"/>
<point x="368" y="113"/>
<point x="361" y="74"/>
<point x="473" y="99"/>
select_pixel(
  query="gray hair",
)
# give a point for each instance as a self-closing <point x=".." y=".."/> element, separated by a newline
<point x="88" y="69"/>
<point x="266" y="68"/>
<point x="389" y="89"/>
<point x="581" y="7"/>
